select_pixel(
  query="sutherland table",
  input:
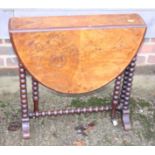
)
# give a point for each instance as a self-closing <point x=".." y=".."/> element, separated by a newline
<point x="77" y="54"/>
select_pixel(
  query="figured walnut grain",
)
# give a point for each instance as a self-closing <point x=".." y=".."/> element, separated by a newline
<point x="76" y="61"/>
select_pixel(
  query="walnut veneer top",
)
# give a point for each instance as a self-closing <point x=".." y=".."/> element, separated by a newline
<point x="76" y="54"/>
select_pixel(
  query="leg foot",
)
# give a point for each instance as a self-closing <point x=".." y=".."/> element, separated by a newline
<point x="26" y="129"/>
<point x="114" y="122"/>
<point x="126" y="120"/>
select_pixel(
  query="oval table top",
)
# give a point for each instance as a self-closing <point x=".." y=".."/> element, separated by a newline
<point x="76" y="54"/>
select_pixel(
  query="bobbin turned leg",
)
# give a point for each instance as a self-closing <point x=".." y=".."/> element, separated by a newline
<point x="35" y="94"/>
<point x="24" y="102"/>
<point x="125" y="93"/>
<point x="115" y="100"/>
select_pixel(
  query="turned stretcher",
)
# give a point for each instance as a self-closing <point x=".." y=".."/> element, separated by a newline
<point x="77" y="54"/>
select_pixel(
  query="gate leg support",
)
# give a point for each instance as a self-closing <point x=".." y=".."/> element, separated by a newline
<point x="125" y="93"/>
<point x="35" y="95"/>
<point x="24" y="102"/>
<point x="116" y="97"/>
